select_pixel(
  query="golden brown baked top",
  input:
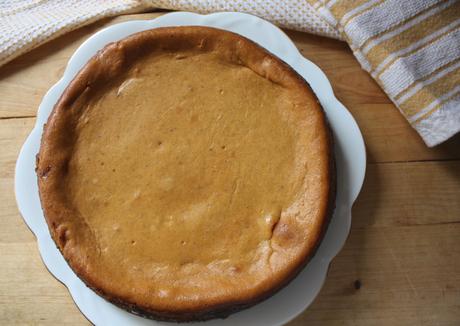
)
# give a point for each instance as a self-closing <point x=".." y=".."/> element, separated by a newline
<point x="186" y="169"/>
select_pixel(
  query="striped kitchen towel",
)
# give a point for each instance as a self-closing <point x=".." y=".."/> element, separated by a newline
<point x="410" y="47"/>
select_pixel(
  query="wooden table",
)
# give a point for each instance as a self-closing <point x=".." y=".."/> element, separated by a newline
<point x="400" y="265"/>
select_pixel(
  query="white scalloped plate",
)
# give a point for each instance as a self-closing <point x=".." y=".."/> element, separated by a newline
<point x="349" y="150"/>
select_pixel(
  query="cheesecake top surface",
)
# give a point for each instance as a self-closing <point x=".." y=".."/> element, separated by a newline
<point x="186" y="168"/>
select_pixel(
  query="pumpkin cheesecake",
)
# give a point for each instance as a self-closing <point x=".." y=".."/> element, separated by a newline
<point x="186" y="173"/>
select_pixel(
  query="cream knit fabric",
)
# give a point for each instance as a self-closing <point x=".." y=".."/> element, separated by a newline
<point x="26" y="24"/>
<point x="410" y="47"/>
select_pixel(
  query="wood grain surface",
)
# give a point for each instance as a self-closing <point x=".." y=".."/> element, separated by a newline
<point x="400" y="265"/>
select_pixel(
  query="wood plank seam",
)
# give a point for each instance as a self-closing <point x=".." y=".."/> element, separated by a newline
<point x="416" y="161"/>
<point x="18" y="117"/>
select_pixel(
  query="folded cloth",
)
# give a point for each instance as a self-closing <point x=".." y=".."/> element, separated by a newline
<point x="410" y="47"/>
<point x="26" y="24"/>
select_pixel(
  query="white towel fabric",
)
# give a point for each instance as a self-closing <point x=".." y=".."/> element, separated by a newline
<point x="411" y="48"/>
<point x="26" y="24"/>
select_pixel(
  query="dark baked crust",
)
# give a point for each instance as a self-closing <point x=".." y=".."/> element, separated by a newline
<point x="107" y="65"/>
